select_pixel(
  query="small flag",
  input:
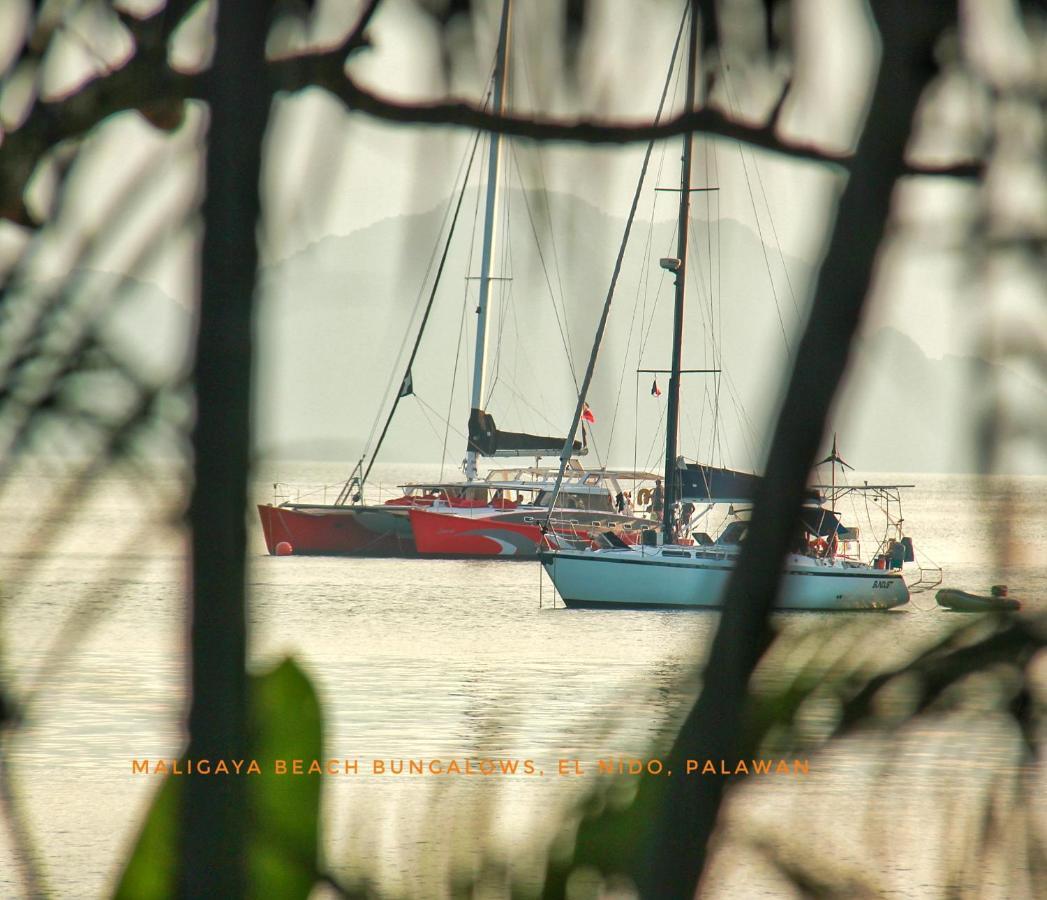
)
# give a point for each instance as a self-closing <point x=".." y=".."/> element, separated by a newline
<point x="407" y="385"/>
<point x="655" y="390"/>
<point x="588" y="414"/>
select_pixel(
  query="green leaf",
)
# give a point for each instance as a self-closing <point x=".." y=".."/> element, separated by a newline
<point x="153" y="867"/>
<point x="283" y="851"/>
<point x="283" y="809"/>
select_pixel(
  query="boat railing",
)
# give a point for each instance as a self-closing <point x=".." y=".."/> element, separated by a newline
<point x="285" y="492"/>
<point x="375" y="493"/>
<point x="930" y="577"/>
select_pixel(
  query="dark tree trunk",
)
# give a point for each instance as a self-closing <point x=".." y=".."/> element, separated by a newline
<point x="214" y="816"/>
<point x="676" y="856"/>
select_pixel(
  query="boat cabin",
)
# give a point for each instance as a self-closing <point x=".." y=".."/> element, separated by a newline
<point x="524" y="487"/>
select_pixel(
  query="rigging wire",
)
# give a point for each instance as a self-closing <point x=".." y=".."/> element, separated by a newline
<point x="510" y="307"/>
<point x="759" y="228"/>
<point x="653" y="451"/>
<point x="714" y="342"/>
<point x="522" y="398"/>
<point x="748" y="429"/>
<point x="565" y="336"/>
<point x="774" y="232"/>
<point x="421" y="293"/>
<point x="710" y="154"/>
<point x="643" y="292"/>
<point x="636" y="421"/>
<point x="428" y="420"/>
<point x="567" y="444"/>
<point x="436" y="413"/>
<point x="462" y="334"/>
<point x="559" y="311"/>
<point x="421" y="331"/>
<point x="763" y="192"/>
<point x="457" y="359"/>
<point x="565" y="455"/>
<point x="414" y="312"/>
<point x="658" y="295"/>
<point x="646" y="336"/>
<point x="543" y="187"/>
<point x="504" y="290"/>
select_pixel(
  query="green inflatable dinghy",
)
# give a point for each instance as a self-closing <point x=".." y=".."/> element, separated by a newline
<point x="962" y="601"/>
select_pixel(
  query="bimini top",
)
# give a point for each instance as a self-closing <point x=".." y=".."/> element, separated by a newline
<point x="821" y="522"/>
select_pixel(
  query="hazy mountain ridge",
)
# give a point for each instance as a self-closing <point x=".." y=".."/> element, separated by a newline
<point x="901" y="410"/>
<point x="333" y="316"/>
<point x="320" y="299"/>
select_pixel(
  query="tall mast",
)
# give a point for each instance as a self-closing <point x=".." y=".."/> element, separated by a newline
<point x="494" y="160"/>
<point x="672" y="420"/>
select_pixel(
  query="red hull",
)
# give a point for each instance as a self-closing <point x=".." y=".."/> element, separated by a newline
<point x="442" y="534"/>
<point x="338" y="530"/>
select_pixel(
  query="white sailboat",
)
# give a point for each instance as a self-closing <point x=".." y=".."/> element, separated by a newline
<point x="691" y="570"/>
<point x="674" y="577"/>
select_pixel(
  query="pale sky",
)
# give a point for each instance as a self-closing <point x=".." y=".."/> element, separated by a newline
<point x="330" y="173"/>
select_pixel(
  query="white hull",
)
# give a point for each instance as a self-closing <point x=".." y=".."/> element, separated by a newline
<point x="684" y="578"/>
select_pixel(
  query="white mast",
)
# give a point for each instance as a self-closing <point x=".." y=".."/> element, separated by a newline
<point x="494" y="160"/>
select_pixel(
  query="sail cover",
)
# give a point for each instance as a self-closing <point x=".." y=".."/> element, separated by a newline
<point x="700" y="483"/>
<point x="704" y="483"/>
<point x="487" y="440"/>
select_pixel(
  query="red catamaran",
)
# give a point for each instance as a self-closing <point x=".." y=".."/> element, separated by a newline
<point x="493" y="516"/>
<point x="501" y="515"/>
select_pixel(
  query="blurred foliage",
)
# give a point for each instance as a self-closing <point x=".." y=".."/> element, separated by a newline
<point x="283" y="846"/>
<point x="823" y="687"/>
<point x="69" y="382"/>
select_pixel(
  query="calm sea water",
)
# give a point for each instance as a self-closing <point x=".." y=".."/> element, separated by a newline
<point x="451" y="659"/>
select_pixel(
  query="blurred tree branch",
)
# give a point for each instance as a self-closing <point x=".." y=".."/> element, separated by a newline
<point x="239" y="88"/>
<point x="147" y="83"/>
<point x="679" y="843"/>
<point x="318" y="71"/>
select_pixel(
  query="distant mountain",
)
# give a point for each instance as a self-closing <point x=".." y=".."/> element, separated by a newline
<point x="335" y="322"/>
<point x="901" y="411"/>
<point x="142" y="325"/>
<point x="334" y="317"/>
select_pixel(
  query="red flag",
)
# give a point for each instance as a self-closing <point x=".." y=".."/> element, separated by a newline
<point x="588" y="414"/>
<point x="655" y="390"/>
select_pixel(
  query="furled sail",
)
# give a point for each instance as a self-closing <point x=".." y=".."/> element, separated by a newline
<point x="704" y="483"/>
<point x="487" y="440"/>
<point x="701" y="483"/>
